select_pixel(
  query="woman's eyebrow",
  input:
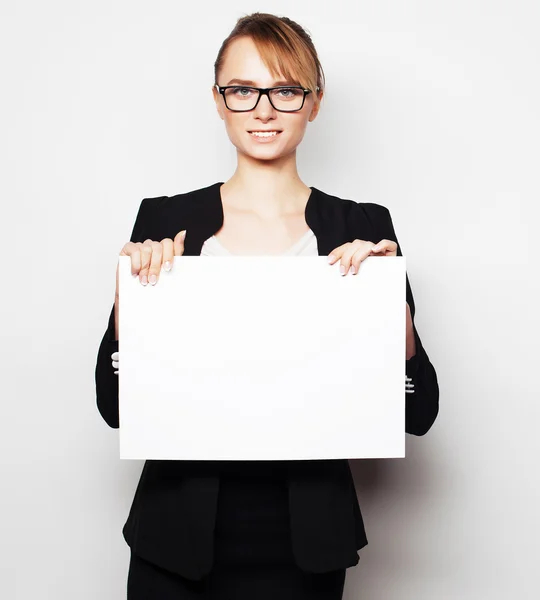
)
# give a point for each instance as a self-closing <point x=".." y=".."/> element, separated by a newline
<point x="254" y="84"/>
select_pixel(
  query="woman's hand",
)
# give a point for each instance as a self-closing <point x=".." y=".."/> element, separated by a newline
<point x="148" y="257"/>
<point x="353" y="253"/>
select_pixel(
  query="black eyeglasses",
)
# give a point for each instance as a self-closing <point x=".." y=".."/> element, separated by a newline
<point x="239" y="98"/>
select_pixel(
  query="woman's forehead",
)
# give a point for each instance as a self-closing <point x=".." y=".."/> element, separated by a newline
<point x="243" y="62"/>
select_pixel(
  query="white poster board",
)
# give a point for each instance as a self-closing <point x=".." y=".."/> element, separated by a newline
<point x="263" y="358"/>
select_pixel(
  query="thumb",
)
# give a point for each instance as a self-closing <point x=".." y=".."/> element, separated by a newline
<point x="178" y="242"/>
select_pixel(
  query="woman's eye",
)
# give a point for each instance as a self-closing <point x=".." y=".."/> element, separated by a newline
<point x="242" y="90"/>
<point x="289" y="92"/>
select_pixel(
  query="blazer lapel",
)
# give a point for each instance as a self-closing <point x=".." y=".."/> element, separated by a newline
<point x="325" y="215"/>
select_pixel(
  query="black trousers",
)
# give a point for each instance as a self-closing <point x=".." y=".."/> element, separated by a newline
<point x="147" y="581"/>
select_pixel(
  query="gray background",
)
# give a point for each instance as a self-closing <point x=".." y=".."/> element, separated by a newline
<point x="431" y="110"/>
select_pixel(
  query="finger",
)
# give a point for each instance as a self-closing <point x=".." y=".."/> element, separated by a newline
<point x="348" y="254"/>
<point x="132" y="249"/>
<point x="146" y="255"/>
<point x="136" y="259"/>
<point x="385" y="247"/>
<point x="361" y="254"/>
<point x="179" y="243"/>
<point x="127" y="249"/>
<point x="155" y="263"/>
<point x="168" y="254"/>
<point x="337" y="253"/>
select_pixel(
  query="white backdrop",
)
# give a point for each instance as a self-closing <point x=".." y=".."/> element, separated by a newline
<point x="431" y="109"/>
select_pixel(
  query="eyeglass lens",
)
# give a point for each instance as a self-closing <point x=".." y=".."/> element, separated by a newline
<point x="245" y="98"/>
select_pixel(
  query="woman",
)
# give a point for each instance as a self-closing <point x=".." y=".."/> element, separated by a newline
<point x="255" y="529"/>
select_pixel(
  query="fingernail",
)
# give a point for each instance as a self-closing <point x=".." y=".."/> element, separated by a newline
<point x="352" y="270"/>
<point x="183" y="234"/>
<point x="331" y="257"/>
<point x="342" y="269"/>
<point x="144" y="280"/>
<point x="152" y="279"/>
<point x="167" y="265"/>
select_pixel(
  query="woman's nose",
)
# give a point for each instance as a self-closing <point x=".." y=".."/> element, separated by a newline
<point x="264" y="106"/>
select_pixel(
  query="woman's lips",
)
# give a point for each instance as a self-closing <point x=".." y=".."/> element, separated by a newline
<point x="264" y="138"/>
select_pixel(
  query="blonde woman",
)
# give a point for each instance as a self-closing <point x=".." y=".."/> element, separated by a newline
<point x="255" y="529"/>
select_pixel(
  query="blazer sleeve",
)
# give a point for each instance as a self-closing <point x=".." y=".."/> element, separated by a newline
<point x="422" y="406"/>
<point x="106" y="380"/>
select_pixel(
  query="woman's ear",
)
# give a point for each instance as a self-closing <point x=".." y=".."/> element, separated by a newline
<point x="217" y="100"/>
<point x="316" y="106"/>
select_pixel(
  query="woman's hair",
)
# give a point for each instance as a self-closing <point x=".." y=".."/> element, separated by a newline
<point x="284" y="47"/>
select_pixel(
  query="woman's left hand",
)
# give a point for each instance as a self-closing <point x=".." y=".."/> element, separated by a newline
<point x="353" y="253"/>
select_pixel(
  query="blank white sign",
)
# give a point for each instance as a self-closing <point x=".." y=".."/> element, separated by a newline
<point x="263" y="358"/>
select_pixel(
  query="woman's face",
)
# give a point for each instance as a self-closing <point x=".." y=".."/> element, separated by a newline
<point x="243" y="61"/>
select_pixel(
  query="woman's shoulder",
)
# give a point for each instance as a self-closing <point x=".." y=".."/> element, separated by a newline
<point x="158" y="216"/>
<point x="355" y="209"/>
<point x="363" y="220"/>
<point x="182" y="199"/>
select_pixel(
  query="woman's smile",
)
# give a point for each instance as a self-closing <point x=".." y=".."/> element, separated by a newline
<point x="264" y="136"/>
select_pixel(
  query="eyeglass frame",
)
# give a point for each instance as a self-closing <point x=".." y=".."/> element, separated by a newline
<point x="264" y="92"/>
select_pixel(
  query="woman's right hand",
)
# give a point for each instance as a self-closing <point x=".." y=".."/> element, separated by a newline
<point x="149" y="257"/>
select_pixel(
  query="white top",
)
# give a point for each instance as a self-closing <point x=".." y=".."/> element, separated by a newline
<point x="305" y="246"/>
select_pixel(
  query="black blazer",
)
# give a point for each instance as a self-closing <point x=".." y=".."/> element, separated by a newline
<point x="172" y="517"/>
